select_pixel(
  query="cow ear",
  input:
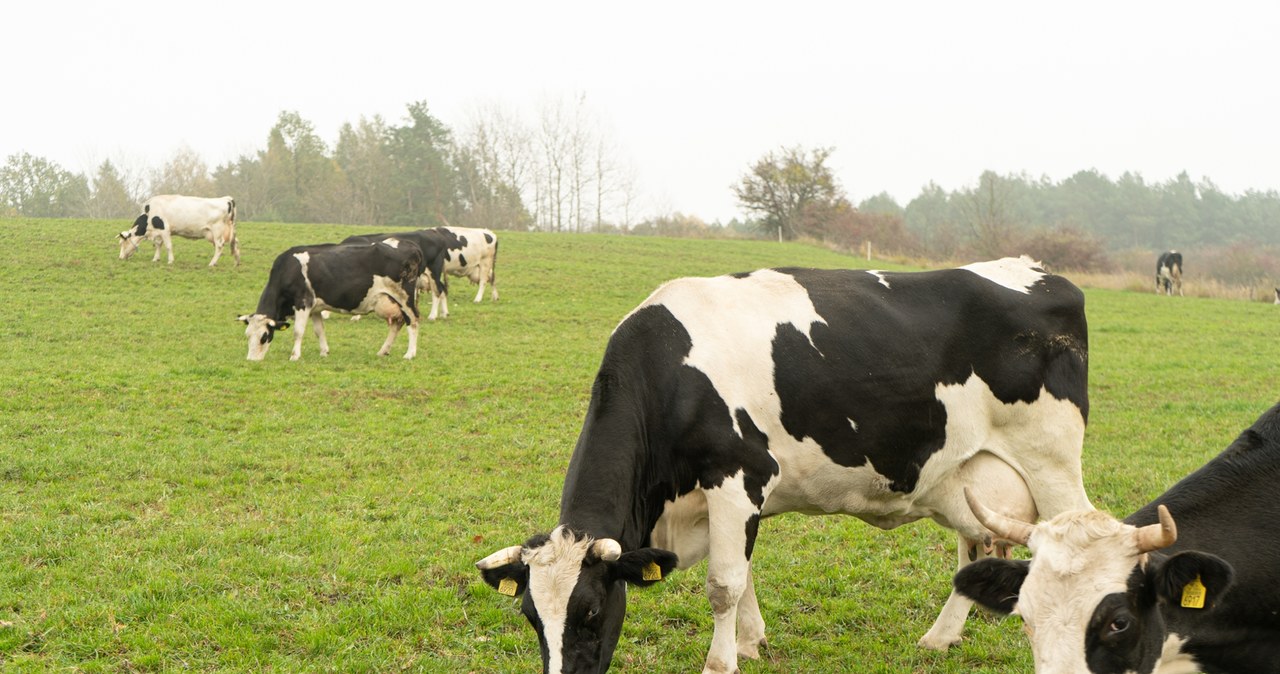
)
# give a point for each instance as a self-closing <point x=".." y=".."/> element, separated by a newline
<point x="282" y="326"/>
<point x="510" y="579"/>
<point x="244" y="319"/>
<point x="1193" y="579"/>
<point x="643" y="567"/>
<point x="994" y="583"/>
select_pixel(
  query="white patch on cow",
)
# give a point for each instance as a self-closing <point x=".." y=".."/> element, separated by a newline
<point x="853" y="424"/>
<point x="880" y="276"/>
<point x="393" y="242"/>
<point x="1173" y="660"/>
<point x="1014" y="273"/>
<point x="732" y="323"/>
<point x="554" y="568"/>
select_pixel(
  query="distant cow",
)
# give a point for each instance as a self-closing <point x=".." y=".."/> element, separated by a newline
<point x="166" y="215"/>
<point x="472" y="253"/>
<point x="346" y="278"/>
<point x="1169" y="273"/>
<point x="722" y="401"/>
<point x="431" y="242"/>
<point x="1277" y="295"/>
<point x="1185" y="584"/>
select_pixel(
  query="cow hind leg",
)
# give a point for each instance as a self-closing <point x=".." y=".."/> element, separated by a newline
<point x="317" y="321"/>
<point x="217" y="251"/>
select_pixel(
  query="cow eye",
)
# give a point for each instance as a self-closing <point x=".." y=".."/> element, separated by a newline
<point x="1118" y="625"/>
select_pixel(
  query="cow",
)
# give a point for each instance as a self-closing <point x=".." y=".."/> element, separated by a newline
<point x="1277" y="295"/>
<point x="305" y="281"/>
<point x="166" y="215"/>
<point x="433" y="245"/>
<point x="469" y="252"/>
<point x="721" y="401"/>
<point x="1185" y="584"/>
<point x="1169" y="273"/>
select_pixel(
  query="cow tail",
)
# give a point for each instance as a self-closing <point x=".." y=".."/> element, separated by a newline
<point x="493" y="264"/>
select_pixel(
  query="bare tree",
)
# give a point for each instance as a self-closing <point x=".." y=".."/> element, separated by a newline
<point x="988" y="212"/>
<point x="184" y="173"/>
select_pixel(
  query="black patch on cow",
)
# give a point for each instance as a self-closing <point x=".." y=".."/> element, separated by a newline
<point x="753" y="528"/>
<point x="462" y="259"/>
<point x="157" y="222"/>
<point x="146" y="208"/>
<point x="140" y="225"/>
<point x="231" y="206"/>
<point x="742" y="274"/>
<point x="488" y="238"/>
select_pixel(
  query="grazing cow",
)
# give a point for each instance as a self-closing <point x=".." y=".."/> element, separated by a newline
<point x="431" y="242"/>
<point x="723" y="400"/>
<point x="1185" y="584"/>
<point x="1169" y="273"/>
<point x="350" y="279"/>
<point x="166" y="215"/>
<point x="472" y="253"/>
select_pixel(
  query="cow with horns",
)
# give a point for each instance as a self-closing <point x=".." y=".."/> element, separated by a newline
<point x="722" y="401"/>
<point x="1185" y="584"/>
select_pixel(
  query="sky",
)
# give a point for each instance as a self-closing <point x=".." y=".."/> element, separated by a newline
<point x="692" y="93"/>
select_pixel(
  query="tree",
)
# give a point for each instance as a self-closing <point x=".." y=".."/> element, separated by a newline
<point x="988" y="213"/>
<point x="424" y="180"/>
<point x="787" y="188"/>
<point x="184" y="173"/>
<point x="111" y="196"/>
<point x="36" y="187"/>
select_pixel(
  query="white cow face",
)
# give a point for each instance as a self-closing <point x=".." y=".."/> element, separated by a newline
<point x="128" y="243"/>
<point x="260" y="330"/>
<point x="1091" y="597"/>
<point x="574" y="593"/>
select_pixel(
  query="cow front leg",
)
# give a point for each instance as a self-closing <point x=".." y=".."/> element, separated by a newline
<point x="413" y="341"/>
<point x="435" y="305"/>
<point x="733" y="519"/>
<point x="317" y="321"/>
<point x="159" y="246"/>
<point x="299" y="329"/>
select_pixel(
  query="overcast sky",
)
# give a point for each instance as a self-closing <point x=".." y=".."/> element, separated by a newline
<point x="693" y="93"/>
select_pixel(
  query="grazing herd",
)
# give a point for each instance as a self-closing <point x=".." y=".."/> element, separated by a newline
<point x="958" y="395"/>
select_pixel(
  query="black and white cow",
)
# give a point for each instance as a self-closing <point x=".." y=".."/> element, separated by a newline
<point x="724" y="400"/>
<point x="469" y="252"/>
<point x="433" y="244"/>
<point x="1169" y="273"/>
<point x="1185" y="584"/>
<point x="346" y="278"/>
<point x="167" y="215"/>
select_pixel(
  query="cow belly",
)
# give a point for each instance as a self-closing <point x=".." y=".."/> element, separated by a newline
<point x="381" y="287"/>
<point x="1042" y="437"/>
<point x="683" y="528"/>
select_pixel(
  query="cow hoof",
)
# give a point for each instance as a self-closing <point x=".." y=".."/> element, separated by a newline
<point x="752" y="650"/>
<point x="935" y="643"/>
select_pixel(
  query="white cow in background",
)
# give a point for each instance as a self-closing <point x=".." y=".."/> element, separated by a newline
<point x="468" y="252"/>
<point x="166" y="215"/>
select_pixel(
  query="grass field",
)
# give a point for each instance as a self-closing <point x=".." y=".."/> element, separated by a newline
<point x="166" y="505"/>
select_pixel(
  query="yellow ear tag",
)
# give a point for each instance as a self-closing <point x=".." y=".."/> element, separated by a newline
<point x="651" y="571"/>
<point x="508" y="587"/>
<point x="1193" y="594"/>
<point x="282" y="328"/>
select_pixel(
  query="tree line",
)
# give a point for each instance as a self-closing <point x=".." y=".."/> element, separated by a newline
<point x="561" y="171"/>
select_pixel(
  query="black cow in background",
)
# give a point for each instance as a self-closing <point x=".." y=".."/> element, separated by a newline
<point x="1169" y="273"/>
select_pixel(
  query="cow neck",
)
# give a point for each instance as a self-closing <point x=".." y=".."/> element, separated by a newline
<point x="610" y="487"/>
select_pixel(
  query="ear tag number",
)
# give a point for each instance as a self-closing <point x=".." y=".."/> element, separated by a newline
<point x="1193" y="594"/>
<point x="508" y="587"/>
<point x="651" y="571"/>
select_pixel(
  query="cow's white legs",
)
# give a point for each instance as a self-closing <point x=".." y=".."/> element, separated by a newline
<point x="317" y="320"/>
<point x="168" y="246"/>
<point x="217" y="251"/>
<point x="484" y="274"/>
<point x="750" y="622"/>
<point x="159" y="246"/>
<point x="729" y="511"/>
<point x="413" y="341"/>
<point x="949" y="624"/>
<point x="300" y="327"/>
<point x="393" y="330"/>
<point x="439" y="303"/>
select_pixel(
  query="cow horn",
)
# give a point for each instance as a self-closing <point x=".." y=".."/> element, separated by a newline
<point x="1157" y="536"/>
<point x="502" y="557"/>
<point x="1004" y="527"/>
<point x="607" y="549"/>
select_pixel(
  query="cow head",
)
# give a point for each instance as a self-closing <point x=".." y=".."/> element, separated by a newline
<point x="132" y="237"/>
<point x="574" y="593"/>
<point x="260" y="330"/>
<point x="1092" y="594"/>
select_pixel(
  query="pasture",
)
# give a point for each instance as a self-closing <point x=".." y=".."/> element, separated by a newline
<point x="166" y="505"/>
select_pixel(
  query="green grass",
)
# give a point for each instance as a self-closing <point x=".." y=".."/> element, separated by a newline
<point x="166" y="505"/>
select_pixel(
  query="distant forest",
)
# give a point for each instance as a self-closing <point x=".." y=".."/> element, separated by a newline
<point x="561" y="172"/>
